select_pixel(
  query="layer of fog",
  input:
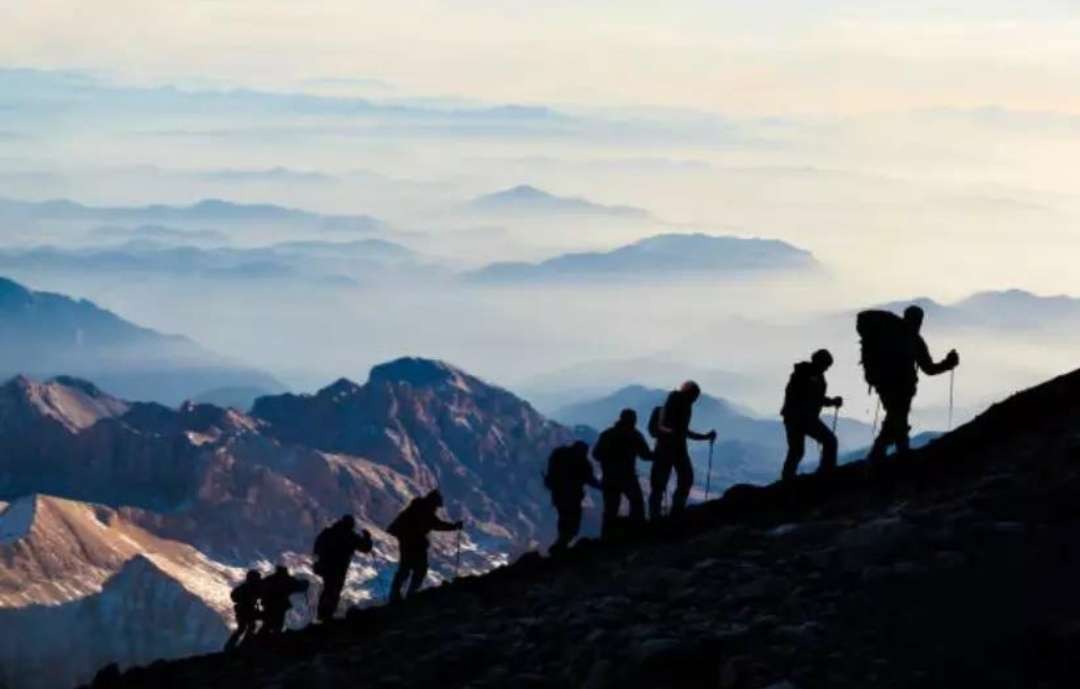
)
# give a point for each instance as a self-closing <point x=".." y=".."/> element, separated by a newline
<point x="896" y="205"/>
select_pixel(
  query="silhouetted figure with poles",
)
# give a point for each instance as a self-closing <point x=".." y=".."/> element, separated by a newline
<point x="804" y="399"/>
<point x="411" y="528"/>
<point x="569" y="471"/>
<point x="893" y="352"/>
<point x="617" y="450"/>
<point x="334" y="549"/>
<point x="245" y="598"/>
<point x="672" y="433"/>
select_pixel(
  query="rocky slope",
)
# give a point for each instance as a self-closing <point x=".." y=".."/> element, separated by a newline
<point x="230" y="491"/>
<point x="954" y="568"/>
<point x="79" y="583"/>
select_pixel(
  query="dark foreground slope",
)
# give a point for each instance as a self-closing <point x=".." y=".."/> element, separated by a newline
<point x="956" y="568"/>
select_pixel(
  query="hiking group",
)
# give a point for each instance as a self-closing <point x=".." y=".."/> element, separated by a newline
<point x="892" y="349"/>
<point x="893" y="352"/>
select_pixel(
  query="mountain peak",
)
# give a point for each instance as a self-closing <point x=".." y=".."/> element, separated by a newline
<point x="419" y="372"/>
<point x="74" y="403"/>
<point x="530" y="199"/>
<point x="339" y="389"/>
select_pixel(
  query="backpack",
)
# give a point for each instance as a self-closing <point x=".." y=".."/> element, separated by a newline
<point x="654" y="421"/>
<point x="555" y="475"/>
<point x="397" y="526"/>
<point x="321" y="542"/>
<point x="883" y="344"/>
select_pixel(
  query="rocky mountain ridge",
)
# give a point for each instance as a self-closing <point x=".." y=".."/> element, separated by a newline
<point x="225" y="490"/>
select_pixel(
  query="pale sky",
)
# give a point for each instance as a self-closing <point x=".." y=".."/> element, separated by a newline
<point x="764" y="57"/>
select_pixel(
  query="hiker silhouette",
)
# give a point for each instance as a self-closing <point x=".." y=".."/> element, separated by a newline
<point x="334" y="548"/>
<point x="617" y="450"/>
<point x="411" y="528"/>
<point x="672" y="430"/>
<point x="245" y="598"/>
<point x="804" y="398"/>
<point x="569" y="471"/>
<point x="274" y="593"/>
<point x="893" y="351"/>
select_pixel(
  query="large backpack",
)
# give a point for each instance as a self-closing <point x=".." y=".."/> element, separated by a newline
<point x="401" y="523"/>
<point x="557" y="468"/>
<point x="883" y="342"/>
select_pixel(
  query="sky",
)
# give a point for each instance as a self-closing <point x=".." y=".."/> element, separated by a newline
<point x="761" y="58"/>
<point x="916" y="148"/>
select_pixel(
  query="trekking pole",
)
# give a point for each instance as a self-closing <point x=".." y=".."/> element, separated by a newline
<point x="877" y="410"/>
<point x="457" y="558"/>
<point x="835" y="418"/>
<point x="952" y="387"/>
<point x="708" y="475"/>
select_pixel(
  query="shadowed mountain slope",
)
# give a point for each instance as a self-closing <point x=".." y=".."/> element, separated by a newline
<point x="46" y="334"/>
<point x="956" y="567"/>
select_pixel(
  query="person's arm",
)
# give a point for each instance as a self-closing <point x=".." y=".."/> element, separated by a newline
<point x="928" y="365"/>
<point x="439" y="525"/>
<point x="643" y="450"/>
<point x="587" y="474"/>
<point x="362" y="541"/>
<point x="694" y="435"/>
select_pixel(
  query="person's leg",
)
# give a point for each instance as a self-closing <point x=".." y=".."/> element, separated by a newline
<point x="419" y="571"/>
<point x="684" y="481"/>
<point x="242" y="625"/>
<point x="331" y="595"/>
<point x="902" y="431"/>
<point x="636" y="500"/>
<point x="886" y="436"/>
<point x="821" y="433"/>
<point x="401" y="574"/>
<point x="612" y="498"/>
<point x="796" y="443"/>
<point x="562" y="526"/>
<point x="658" y="480"/>
<point x="573" y="521"/>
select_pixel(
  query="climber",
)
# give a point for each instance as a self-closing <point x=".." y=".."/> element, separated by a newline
<point x="274" y="593"/>
<point x="245" y="599"/>
<point x="892" y="353"/>
<point x="569" y="471"/>
<point x="411" y="528"/>
<point x="334" y="548"/>
<point x="804" y="398"/>
<point x="617" y="451"/>
<point x="672" y="430"/>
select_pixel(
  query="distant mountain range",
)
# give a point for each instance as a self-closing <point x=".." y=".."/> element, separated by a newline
<point x="208" y="212"/>
<point x="668" y="255"/>
<point x="124" y="524"/>
<point x="1007" y="309"/>
<point x="319" y="261"/>
<point x="528" y="200"/>
<point x="48" y="334"/>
